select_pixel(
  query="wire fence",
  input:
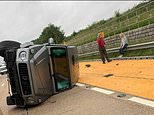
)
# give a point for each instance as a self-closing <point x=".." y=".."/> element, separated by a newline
<point x="131" y="20"/>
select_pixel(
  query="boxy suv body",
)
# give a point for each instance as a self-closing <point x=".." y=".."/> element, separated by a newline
<point x="37" y="72"/>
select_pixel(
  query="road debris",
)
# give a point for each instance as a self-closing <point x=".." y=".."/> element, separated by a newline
<point x="108" y="75"/>
<point x="87" y="65"/>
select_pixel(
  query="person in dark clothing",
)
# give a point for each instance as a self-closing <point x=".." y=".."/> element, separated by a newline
<point x="101" y="47"/>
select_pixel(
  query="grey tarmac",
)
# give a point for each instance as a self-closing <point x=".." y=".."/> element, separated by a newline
<point x="76" y="101"/>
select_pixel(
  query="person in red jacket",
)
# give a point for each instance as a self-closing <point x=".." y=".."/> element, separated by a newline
<point x="101" y="47"/>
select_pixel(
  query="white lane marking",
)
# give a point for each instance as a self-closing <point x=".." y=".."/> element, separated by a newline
<point x="80" y="84"/>
<point x="142" y="101"/>
<point x="2" y="85"/>
<point x="102" y="90"/>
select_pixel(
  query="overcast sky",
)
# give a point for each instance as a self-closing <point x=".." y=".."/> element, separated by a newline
<point x="24" y="21"/>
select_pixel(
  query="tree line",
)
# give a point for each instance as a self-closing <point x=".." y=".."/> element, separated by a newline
<point x="51" y="31"/>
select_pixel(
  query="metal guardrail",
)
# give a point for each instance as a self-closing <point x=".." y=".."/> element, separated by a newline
<point x="130" y="47"/>
<point x="122" y="58"/>
<point x="133" y="58"/>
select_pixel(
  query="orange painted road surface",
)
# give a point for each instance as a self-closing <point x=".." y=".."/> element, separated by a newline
<point x="134" y="77"/>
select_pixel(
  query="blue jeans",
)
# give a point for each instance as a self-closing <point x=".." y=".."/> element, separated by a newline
<point x="121" y="51"/>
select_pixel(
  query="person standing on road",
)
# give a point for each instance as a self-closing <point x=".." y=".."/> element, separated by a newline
<point x="123" y="44"/>
<point x="101" y="47"/>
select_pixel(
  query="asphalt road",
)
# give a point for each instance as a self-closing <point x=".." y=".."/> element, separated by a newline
<point x="77" y="101"/>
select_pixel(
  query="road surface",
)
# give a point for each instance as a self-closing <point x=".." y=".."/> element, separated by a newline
<point x="80" y="100"/>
